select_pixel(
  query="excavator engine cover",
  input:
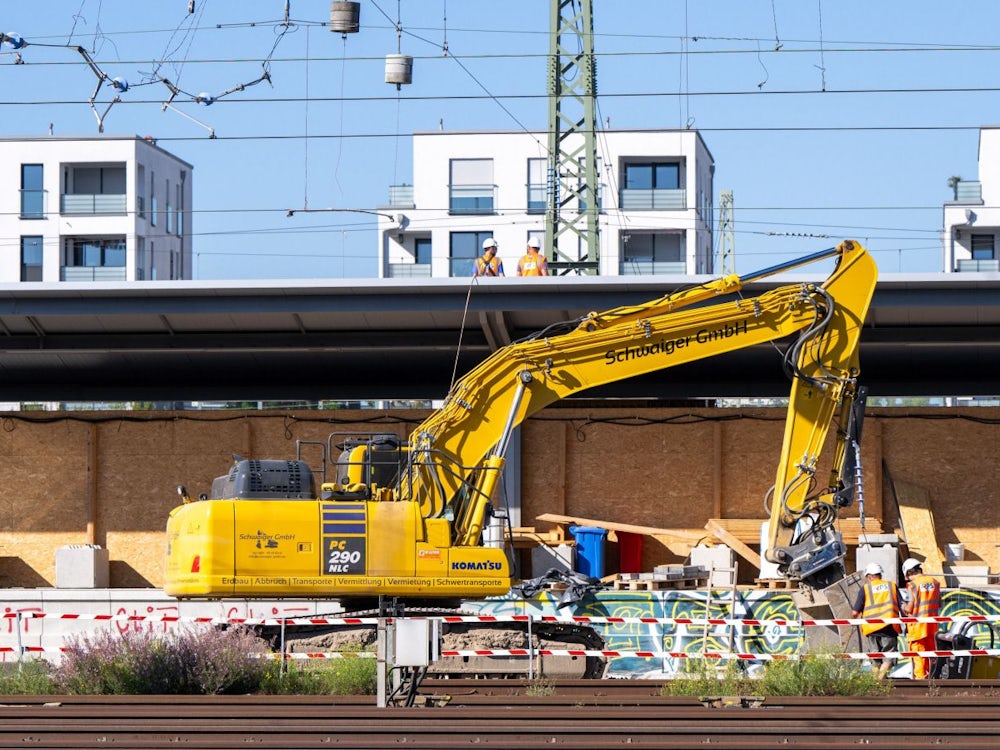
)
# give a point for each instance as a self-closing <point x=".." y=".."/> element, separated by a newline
<point x="258" y="479"/>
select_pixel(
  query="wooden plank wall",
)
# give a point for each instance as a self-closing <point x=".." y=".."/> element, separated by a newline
<point x="110" y="478"/>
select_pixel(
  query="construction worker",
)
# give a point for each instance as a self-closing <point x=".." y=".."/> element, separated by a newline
<point x="533" y="263"/>
<point x="924" y="601"/>
<point x="877" y="600"/>
<point x="489" y="264"/>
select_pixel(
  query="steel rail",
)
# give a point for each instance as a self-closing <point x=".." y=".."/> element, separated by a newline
<point x="610" y="716"/>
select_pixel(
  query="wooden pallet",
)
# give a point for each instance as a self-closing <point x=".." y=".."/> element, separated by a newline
<point x="775" y="583"/>
<point x="659" y="584"/>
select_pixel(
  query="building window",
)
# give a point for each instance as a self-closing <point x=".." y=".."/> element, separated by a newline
<point x="152" y="198"/>
<point x="538" y="170"/>
<point x="465" y="248"/>
<point x="177" y="210"/>
<point x="653" y="176"/>
<point x="140" y="192"/>
<point x="31" y="258"/>
<point x="140" y="258"/>
<point x="652" y="253"/>
<point x="422" y="251"/>
<point x="32" y="191"/>
<point x="96" y="253"/>
<point x="97" y="181"/>
<point x="170" y="215"/>
<point x="653" y="186"/>
<point x="471" y="190"/>
<point x="982" y="247"/>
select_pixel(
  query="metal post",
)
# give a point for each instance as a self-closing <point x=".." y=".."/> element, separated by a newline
<point x="20" y="644"/>
<point x="380" y="656"/>
<point x="281" y="669"/>
<point x="531" y="651"/>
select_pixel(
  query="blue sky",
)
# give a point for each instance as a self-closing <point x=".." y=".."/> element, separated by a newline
<point x="827" y="119"/>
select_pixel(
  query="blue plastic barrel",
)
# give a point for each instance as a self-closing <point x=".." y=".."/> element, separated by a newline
<point x="589" y="550"/>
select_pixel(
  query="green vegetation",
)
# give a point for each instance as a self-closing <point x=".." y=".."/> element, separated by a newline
<point x="346" y="676"/>
<point x="540" y="686"/>
<point x="811" y="675"/>
<point x="195" y="662"/>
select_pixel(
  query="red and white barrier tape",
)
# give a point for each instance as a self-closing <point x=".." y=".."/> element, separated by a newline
<point x="570" y="620"/>
<point x="606" y="653"/>
<point x="718" y="654"/>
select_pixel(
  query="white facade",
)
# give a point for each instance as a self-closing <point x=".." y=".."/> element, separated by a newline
<point x="98" y="208"/>
<point x="655" y="197"/>
<point x="972" y="220"/>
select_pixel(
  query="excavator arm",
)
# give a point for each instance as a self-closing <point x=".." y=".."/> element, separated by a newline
<point x="456" y="455"/>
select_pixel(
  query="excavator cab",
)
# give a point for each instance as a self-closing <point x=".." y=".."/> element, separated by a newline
<point x="366" y="462"/>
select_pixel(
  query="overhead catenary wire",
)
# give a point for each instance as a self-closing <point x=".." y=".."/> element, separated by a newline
<point x="695" y="44"/>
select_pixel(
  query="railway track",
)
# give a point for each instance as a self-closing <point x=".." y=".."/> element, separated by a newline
<point x="487" y="714"/>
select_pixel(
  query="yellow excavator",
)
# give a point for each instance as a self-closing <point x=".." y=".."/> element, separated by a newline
<point x="404" y="517"/>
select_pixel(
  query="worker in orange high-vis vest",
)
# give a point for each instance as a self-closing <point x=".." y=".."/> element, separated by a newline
<point x="488" y="264"/>
<point x="924" y="601"/>
<point x="533" y="263"/>
<point x="878" y="599"/>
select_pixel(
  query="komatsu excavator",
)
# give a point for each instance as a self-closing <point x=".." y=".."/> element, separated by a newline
<point x="405" y="517"/>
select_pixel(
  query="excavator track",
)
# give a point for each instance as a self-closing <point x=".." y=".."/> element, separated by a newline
<point x="466" y="636"/>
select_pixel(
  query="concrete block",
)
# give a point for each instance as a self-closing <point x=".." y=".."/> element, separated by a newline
<point x="718" y="558"/>
<point x="82" y="566"/>
<point x="969" y="575"/>
<point x="876" y="540"/>
<point x="544" y="558"/>
<point x="886" y="555"/>
<point x="768" y="569"/>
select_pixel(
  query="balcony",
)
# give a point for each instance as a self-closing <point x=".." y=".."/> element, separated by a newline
<point x="978" y="266"/>
<point x="653" y="267"/>
<point x="401" y="196"/>
<point x="92" y="273"/>
<point x="969" y="191"/>
<point x="73" y="204"/>
<point x="471" y="199"/>
<point x="409" y="270"/>
<point x="653" y="200"/>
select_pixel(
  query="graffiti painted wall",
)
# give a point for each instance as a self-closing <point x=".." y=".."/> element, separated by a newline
<point x="750" y="604"/>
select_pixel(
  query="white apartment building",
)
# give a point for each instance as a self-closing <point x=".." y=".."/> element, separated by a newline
<point x="100" y="208"/>
<point x="655" y="201"/>
<point x="972" y="219"/>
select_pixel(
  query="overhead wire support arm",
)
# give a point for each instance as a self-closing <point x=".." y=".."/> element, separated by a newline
<point x="119" y="84"/>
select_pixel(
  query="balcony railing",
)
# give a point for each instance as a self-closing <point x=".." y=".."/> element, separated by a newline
<point x="92" y="273"/>
<point x="471" y="199"/>
<point x="977" y="266"/>
<point x="969" y="191"/>
<point x="401" y="196"/>
<point x="33" y="204"/>
<point x="653" y="200"/>
<point x="653" y="267"/>
<point x="89" y="205"/>
<point x="537" y="197"/>
<point x="409" y="270"/>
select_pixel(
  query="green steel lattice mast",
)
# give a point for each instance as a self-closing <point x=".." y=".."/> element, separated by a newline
<point x="571" y="223"/>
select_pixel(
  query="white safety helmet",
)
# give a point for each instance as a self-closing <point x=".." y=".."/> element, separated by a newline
<point x="910" y="564"/>
<point x="873" y="569"/>
<point x="488" y="243"/>
<point x="533" y="242"/>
